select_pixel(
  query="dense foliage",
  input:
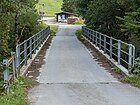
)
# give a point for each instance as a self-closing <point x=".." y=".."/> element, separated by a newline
<point x="18" y="22"/>
<point x="68" y="6"/>
<point x="117" y="18"/>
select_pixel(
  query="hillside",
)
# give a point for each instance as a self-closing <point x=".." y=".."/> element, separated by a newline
<point x="50" y="7"/>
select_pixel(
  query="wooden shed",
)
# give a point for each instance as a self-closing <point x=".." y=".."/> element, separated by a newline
<point x="63" y="16"/>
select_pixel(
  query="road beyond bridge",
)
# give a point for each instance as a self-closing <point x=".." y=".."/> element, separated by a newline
<point x="70" y="76"/>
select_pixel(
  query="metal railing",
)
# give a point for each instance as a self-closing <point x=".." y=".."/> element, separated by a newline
<point x="24" y="52"/>
<point x="25" y="49"/>
<point x="123" y="53"/>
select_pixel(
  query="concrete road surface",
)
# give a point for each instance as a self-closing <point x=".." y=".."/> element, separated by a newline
<point x="71" y="76"/>
<point x="49" y="20"/>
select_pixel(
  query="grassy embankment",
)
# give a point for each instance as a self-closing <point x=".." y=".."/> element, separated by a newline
<point x="18" y="92"/>
<point x="50" y="7"/>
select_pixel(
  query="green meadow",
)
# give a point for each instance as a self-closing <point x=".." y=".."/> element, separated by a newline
<point x="50" y="7"/>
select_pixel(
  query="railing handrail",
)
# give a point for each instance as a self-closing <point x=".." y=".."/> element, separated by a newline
<point x="24" y="52"/>
<point x="107" y="44"/>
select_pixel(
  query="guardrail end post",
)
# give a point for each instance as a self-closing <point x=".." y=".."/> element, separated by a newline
<point x="17" y="60"/>
<point x="119" y="52"/>
<point x="25" y="52"/>
<point x="6" y="77"/>
<point x="13" y="64"/>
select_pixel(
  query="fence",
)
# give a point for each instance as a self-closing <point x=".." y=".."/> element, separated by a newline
<point x="123" y="53"/>
<point x="24" y="52"/>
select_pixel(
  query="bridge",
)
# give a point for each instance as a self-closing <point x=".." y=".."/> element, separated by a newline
<point x="70" y="74"/>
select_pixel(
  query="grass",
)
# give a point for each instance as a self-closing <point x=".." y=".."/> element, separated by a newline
<point x="79" y="33"/>
<point x="117" y="71"/>
<point x="18" y="92"/>
<point x="50" y="7"/>
<point x="133" y="80"/>
<point x="53" y="30"/>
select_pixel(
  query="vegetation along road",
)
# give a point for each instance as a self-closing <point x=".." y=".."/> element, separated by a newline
<point x="68" y="71"/>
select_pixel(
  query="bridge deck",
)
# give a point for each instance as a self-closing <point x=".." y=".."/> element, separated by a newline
<point x="70" y="76"/>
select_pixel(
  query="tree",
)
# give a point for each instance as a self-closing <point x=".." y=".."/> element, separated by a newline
<point x="100" y="15"/>
<point x="131" y="28"/>
<point x="19" y="21"/>
<point x="68" y="6"/>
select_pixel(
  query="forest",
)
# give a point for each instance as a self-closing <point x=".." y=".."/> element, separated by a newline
<point x="18" y="21"/>
<point x="117" y="18"/>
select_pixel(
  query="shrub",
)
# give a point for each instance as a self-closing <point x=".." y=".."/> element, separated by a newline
<point x="137" y="67"/>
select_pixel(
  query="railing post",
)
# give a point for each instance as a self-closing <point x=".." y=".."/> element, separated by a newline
<point x="130" y="56"/>
<point x="25" y="52"/>
<point x="83" y="31"/>
<point x="13" y="64"/>
<point x="45" y="35"/>
<point x="96" y="38"/>
<point x="37" y="41"/>
<point x="30" y="48"/>
<point x="133" y="56"/>
<point x="6" y="77"/>
<point x="18" y="59"/>
<point x="88" y="34"/>
<point x="104" y="43"/>
<point x="110" y="47"/>
<point x="34" y="44"/>
<point x="119" y="52"/>
<point x="42" y="36"/>
<point x="93" y="37"/>
<point x="100" y="41"/>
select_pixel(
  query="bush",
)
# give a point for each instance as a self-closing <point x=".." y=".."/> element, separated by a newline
<point x="78" y="33"/>
<point x="79" y="22"/>
<point x="53" y="30"/>
<point x="137" y="67"/>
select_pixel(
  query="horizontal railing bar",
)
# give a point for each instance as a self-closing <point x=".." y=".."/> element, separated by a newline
<point x="124" y="61"/>
<point x="106" y="43"/>
<point x="115" y="47"/>
<point x="115" y="54"/>
<point x="124" y="52"/>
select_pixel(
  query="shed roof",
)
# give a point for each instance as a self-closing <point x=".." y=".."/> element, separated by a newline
<point x="65" y="13"/>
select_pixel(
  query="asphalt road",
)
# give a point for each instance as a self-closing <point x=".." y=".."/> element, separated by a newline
<point x="70" y="76"/>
